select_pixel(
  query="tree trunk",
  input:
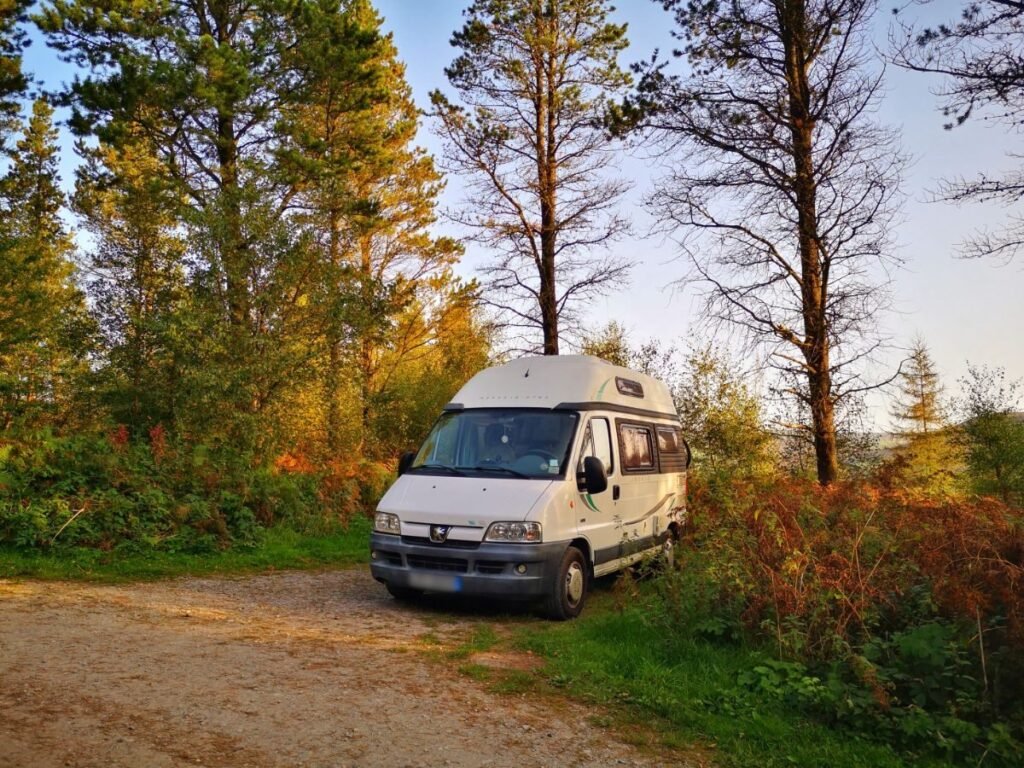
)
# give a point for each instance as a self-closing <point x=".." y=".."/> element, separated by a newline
<point x="366" y="345"/>
<point x="814" y="291"/>
<point x="332" y="378"/>
<point x="231" y="244"/>
<point x="546" y="181"/>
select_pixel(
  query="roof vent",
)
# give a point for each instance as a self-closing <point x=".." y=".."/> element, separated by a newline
<point x="629" y="387"/>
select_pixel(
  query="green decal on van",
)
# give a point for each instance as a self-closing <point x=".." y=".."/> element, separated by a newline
<point x="589" y="501"/>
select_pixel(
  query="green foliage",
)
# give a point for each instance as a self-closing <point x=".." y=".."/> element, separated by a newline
<point x="721" y="414"/>
<point x="914" y="688"/>
<point x="992" y="433"/>
<point x="664" y="675"/>
<point x="127" y="203"/>
<point x="368" y="195"/>
<point x="263" y="270"/>
<point x="111" y="493"/>
<point x="44" y="330"/>
<point x="610" y="343"/>
<point x="13" y="81"/>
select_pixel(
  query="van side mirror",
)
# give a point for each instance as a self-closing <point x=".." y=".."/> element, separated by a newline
<point x="405" y="461"/>
<point x="593" y="478"/>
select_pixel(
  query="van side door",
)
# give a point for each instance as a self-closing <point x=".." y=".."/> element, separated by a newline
<point x="596" y="511"/>
<point x="644" y="499"/>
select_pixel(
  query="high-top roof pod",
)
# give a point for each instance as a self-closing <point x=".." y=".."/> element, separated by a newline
<point x="568" y="382"/>
<point x="539" y="475"/>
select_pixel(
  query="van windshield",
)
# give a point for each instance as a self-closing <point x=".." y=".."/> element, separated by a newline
<point x="513" y="442"/>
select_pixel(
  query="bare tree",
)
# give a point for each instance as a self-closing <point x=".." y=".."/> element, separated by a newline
<point x="981" y="56"/>
<point x="533" y="79"/>
<point x="782" y="187"/>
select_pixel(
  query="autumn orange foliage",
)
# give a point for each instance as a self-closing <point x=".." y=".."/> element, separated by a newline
<point x="822" y="568"/>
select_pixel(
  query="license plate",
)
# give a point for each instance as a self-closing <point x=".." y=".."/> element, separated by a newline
<point x="435" y="582"/>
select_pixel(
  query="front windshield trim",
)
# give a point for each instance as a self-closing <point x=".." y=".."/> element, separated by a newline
<point x="566" y="430"/>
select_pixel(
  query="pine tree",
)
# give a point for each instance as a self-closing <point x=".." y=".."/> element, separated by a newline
<point x="211" y="90"/>
<point x="369" y="194"/>
<point x="918" y="407"/>
<point x="13" y="80"/>
<point x="129" y="205"/>
<point x="926" y="457"/>
<point x="782" y="185"/>
<point x="533" y="79"/>
<point x="202" y="85"/>
<point x="44" y="324"/>
<point x="285" y="136"/>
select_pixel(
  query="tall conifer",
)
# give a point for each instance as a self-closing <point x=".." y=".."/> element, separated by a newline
<point x="43" y="316"/>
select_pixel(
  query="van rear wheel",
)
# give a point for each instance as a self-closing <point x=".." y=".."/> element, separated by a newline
<point x="567" y="591"/>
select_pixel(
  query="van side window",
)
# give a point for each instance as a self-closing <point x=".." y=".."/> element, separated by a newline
<point x="672" y="450"/>
<point x="636" y="447"/>
<point x="598" y="442"/>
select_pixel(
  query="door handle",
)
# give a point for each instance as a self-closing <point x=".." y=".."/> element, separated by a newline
<point x="615" y="493"/>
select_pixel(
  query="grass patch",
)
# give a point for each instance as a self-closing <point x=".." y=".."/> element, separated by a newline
<point x="515" y="681"/>
<point x="475" y="671"/>
<point x="482" y="638"/>
<point x="276" y="548"/>
<point x="687" y="688"/>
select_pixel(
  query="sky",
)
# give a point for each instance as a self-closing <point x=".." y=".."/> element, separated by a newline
<point x="964" y="310"/>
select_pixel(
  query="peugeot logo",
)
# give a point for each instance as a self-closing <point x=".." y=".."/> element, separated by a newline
<point x="439" y="533"/>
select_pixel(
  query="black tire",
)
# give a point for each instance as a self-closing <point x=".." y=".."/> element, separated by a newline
<point x="405" y="594"/>
<point x="568" y="587"/>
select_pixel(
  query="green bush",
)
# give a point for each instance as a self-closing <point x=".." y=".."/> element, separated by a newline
<point x="108" y="492"/>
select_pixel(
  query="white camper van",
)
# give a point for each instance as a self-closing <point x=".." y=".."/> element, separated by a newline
<point x="539" y="475"/>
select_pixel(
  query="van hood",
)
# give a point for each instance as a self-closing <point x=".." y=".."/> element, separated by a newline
<point x="472" y="502"/>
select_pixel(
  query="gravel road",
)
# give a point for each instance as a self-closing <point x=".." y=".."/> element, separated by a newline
<point x="282" y="669"/>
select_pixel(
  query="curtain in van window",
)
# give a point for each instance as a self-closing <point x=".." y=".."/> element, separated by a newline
<point x="637" y="450"/>
<point x="671" y="450"/>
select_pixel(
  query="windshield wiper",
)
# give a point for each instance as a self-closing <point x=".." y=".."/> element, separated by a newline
<point x="441" y="467"/>
<point x="506" y="470"/>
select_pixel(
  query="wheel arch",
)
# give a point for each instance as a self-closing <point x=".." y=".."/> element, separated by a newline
<point x="583" y="546"/>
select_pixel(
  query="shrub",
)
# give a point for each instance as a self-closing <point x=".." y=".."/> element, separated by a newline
<point x="896" y="616"/>
<point x="110" y="492"/>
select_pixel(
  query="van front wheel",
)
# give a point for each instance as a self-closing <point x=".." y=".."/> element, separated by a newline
<point x="568" y="590"/>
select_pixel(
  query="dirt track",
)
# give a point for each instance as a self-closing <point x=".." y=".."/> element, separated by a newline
<point x="289" y="669"/>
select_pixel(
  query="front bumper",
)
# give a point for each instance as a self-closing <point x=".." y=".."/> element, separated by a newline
<point x="467" y="568"/>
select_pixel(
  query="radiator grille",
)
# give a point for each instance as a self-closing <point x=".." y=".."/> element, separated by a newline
<point x="450" y="544"/>
<point x="431" y="563"/>
<point x="490" y="566"/>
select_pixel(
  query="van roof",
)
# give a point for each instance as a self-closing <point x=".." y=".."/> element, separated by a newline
<point x="574" y="382"/>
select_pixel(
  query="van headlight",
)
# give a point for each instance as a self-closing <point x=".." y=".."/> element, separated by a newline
<point x="385" y="522"/>
<point x="523" y="533"/>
